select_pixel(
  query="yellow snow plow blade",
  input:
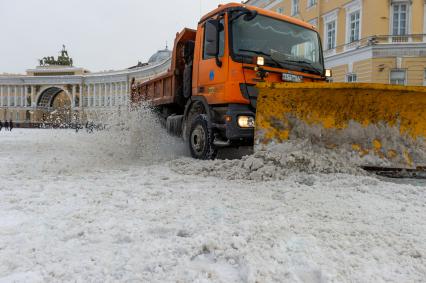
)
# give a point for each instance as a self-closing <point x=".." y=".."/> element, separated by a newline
<point x="378" y="125"/>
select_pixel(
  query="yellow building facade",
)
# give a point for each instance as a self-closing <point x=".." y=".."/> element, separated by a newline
<point x="382" y="41"/>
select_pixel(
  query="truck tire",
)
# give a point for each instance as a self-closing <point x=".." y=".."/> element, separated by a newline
<point x="174" y="125"/>
<point x="201" y="139"/>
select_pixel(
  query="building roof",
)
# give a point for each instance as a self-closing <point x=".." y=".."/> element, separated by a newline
<point x="159" y="56"/>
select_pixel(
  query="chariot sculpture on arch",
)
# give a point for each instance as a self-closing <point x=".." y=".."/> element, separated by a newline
<point x="62" y="60"/>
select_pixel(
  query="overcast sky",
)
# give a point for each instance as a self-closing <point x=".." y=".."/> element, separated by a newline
<point x="99" y="34"/>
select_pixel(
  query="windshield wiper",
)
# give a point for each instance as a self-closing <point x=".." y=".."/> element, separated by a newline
<point x="258" y="52"/>
<point x="286" y="61"/>
<point x="313" y="68"/>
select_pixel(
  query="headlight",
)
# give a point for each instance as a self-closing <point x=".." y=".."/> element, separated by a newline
<point x="260" y="61"/>
<point x="246" y="121"/>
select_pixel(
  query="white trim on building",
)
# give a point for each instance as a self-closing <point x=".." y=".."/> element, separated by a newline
<point x="408" y="21"/>
<point x="295" y="7"/>
<point x="328" y="18"/>
<point x="351" y="8"/>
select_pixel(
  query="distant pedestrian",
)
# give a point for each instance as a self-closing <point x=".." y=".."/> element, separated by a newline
<point x="1" y="126"/>
<point x="6" y="125"/>
<point x="10" y="125"/>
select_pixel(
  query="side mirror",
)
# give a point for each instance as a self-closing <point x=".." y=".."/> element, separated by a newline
<point x="212" y="37"/>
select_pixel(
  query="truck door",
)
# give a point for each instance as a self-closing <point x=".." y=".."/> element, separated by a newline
<point x="211" y="77"/>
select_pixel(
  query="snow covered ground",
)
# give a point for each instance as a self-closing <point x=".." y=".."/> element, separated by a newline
<point x="96" y="208"/>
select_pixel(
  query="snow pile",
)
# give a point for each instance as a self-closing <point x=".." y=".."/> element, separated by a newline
<point x="273" y="163"/>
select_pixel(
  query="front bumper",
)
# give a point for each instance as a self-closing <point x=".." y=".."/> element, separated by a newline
<point x="234" y="132"/>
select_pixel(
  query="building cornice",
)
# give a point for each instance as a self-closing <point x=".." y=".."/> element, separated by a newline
<point x="87" y="78"/>
<point x="58" y="69"/>
<point x="376" y="51"/>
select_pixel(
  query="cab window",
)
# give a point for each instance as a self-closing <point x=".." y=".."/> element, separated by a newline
<point x="221" y="42"/>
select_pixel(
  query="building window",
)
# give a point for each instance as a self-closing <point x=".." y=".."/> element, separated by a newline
<point x="397" y="77"/>
<point x="295" y="7"/>
<point x="351" y="78"/>
<point x="331" y="35"/>
<point x="280" y="10"/>
<point x="354" y="26"/>
<point x="400" y="19"/>
<point x="311" y="3"/>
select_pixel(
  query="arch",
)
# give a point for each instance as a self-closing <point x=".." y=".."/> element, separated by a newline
<point x="47" y="96"/>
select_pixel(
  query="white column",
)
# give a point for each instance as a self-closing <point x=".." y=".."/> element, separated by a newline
<point x="10" y="98"/>
<point x="103" y="95"/>
<point x="99" y="92"/>
<point x="94" y="95"/>
<point x="33" y="96"/>
<point x="103" y="90"/>
<point x="106" y="95"/>
<point x="126" y="97"/>
<point x="25" y="96"/>
<point x="15" y="96"/>
<point x="120" y="93"/>
<point x="1" y="95"/>
<point x="110" y="95"/>
<point x="80" y="101"/>
<point x="21" y="92"/>
<point x="123" y="94"/>
<point x="114" y="95"/>
<point x="89" y="95"/>
<point x="73" y="97"/>
<point x="117" y="94"/>
<point x="9" y="94"/>
<point x="98" y="95"/>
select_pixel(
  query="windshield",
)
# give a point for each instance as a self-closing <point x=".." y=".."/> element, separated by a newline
<point x="281" y="43"/>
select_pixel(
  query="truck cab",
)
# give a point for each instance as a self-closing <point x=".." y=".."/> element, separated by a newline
<point x="215" y="69"/>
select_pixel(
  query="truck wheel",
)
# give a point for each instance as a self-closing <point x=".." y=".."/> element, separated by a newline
<point x="201" y="139"/>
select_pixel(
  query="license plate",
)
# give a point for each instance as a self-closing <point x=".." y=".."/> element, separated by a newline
<point x="292" y="78"/>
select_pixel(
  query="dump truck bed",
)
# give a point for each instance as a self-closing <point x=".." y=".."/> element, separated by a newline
<point x="165" y="88"/>
<point x="157" y="91"/>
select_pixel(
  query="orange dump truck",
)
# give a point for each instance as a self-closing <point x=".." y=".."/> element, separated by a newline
<point x="208" y="95"/>
<point x="251" y="76"/>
